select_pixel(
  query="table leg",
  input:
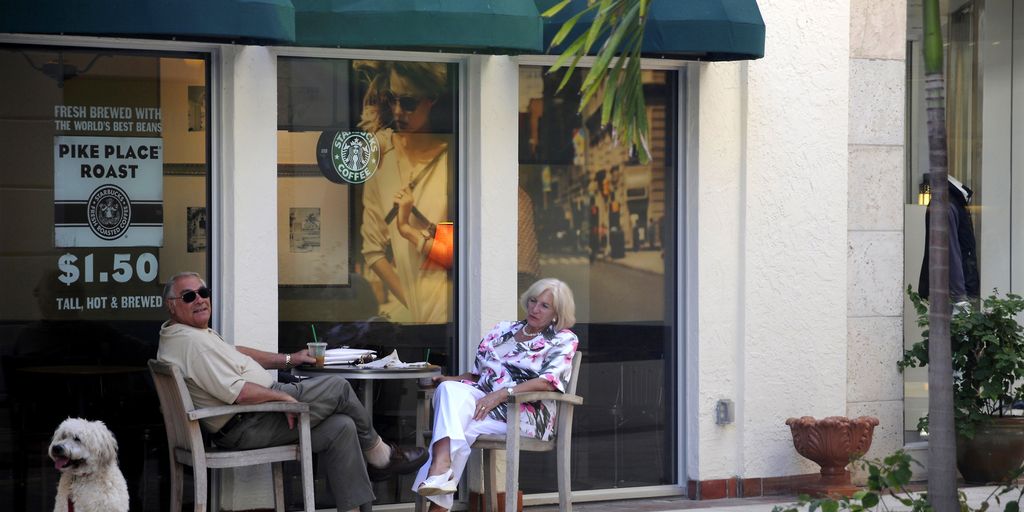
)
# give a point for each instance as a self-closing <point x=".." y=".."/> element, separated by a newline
<point x="421" y="421"/>
<point x="368" y="396"/>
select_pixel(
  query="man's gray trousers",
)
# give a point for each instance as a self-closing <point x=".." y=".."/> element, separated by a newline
<point x="341" y="430"/>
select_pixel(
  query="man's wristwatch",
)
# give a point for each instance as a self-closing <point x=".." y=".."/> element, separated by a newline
<point x="287" y="361"/>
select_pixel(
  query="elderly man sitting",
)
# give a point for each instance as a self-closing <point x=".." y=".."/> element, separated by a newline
<point x="218" y="373"/>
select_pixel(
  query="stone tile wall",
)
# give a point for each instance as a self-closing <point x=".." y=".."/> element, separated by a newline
<point x="875" y="217"/>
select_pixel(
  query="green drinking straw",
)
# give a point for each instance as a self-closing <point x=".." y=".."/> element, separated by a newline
<point x="427" y="359"/>
<point x="311" y="326"/>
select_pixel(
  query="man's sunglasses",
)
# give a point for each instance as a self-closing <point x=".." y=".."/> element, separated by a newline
<point x="190" y="296"/>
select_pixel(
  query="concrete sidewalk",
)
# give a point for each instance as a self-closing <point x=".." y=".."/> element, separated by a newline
<point x="975" y="496"/>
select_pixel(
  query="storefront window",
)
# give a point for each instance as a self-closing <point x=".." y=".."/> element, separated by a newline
<point x="355" y="139"/>
<point x="984" y="90"/>
<point x="594" y="216"/>
<point x="103" y="195"/>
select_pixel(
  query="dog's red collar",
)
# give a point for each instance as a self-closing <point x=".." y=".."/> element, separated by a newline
<point x="71" y="505"/>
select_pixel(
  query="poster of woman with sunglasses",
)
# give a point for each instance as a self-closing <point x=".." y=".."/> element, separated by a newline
<point x="408" y="107"/>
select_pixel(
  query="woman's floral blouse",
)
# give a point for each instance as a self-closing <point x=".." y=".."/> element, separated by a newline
<point x="502" y="362"/>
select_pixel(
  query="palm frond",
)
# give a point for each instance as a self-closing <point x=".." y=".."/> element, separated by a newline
<point x="616" y="78"/>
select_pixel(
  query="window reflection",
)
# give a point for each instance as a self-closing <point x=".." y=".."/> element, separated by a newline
<point x="980" y="240"/>
<point x="593" y="215"/>
<point x="83" y="276"/>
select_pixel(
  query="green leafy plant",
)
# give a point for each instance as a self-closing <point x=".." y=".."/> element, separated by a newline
<point x="891" y="477"/>
<point x="988" y="358"/>
<point x="615" y="79"/>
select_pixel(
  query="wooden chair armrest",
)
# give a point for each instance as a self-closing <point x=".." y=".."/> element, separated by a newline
<point x="221" y="410"/>
<point x="533" y="396"/>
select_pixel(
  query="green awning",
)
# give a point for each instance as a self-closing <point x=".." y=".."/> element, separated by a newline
<point x="495" y="26"/>
<point x="683" y="29"/>
<point x="261" y="21"/>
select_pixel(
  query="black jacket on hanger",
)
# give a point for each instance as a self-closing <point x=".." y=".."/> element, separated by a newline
<point x="963" y="255"/>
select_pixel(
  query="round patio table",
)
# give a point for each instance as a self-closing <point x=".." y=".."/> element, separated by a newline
<point x="369" y="375"/>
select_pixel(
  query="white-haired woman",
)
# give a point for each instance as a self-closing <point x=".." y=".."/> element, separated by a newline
<point x="533" y="354"/>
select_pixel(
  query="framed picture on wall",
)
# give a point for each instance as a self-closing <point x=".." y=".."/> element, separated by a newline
<point x="312" y="231"/>
<point x="195" y="224"/>
<point x="196" y="108"/>
<point x="304" y="229"/>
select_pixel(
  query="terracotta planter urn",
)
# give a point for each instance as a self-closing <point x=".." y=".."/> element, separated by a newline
<point x="831" y="443"/>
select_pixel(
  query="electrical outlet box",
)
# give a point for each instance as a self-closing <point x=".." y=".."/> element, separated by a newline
<point x="725" y="412"/>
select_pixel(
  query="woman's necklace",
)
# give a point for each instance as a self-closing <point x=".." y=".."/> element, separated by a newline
<point x="527" y="332"/>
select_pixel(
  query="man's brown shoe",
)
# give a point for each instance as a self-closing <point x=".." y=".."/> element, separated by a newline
<point x="402" y="461"/>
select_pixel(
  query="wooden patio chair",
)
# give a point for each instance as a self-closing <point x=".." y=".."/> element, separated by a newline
<point x="512" y="443"/>
<point x="186" y="446"/>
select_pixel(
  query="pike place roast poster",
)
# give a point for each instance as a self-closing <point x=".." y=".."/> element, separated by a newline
<point x="108" y="191"/>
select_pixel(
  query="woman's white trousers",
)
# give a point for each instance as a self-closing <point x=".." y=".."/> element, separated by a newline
<point x="454" y="403"/>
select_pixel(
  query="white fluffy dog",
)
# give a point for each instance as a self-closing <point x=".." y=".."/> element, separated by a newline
<point x="85" y="453"/>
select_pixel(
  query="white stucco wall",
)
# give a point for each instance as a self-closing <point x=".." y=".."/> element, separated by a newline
<point x="245" y="198"/>
<point x="878" y="34"/>
<point x="715" y="197"/>
<point x="771" y="243"/>
<point x="491" y="176"/>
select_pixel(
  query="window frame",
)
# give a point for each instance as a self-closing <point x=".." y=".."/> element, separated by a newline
<point x="687" y="100"/>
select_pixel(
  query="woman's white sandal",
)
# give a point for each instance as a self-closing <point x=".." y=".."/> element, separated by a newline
<point x="438" y="484"/>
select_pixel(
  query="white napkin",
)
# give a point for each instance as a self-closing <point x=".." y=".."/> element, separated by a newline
<point x="391" y="361"/>
<point x="345" y="355"/>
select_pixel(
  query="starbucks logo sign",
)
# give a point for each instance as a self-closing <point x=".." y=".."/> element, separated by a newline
<point x="109" y="212"/>
<point x="348" y="157"/>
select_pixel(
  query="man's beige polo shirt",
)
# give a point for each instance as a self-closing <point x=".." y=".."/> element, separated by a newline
<point x="214" y="370"/>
